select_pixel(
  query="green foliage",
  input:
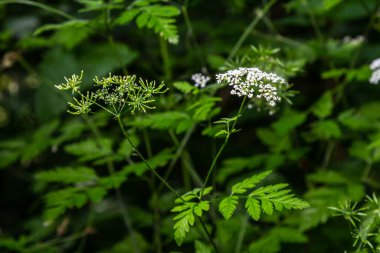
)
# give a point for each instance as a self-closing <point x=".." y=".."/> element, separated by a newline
<point x="67" y="175"/>
<point x="173" y="120"/>
<point x="151" y="14"/>
<point x="264" y="199"/>
<point x="188" y="211"/>
<point x="105" y="179"/>
<point x="272" y="241"/>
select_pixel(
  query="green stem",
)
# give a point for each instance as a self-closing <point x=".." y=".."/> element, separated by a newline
<point x="111" y="171"/>
<point x="190" y="33"/>
<point x="180" y="147"/>
<point x="243" y="229"/>
<point x="147" y="143"/>
<point x="208" y="235"/>
<point x="249" y="29"/>
<point x="143" y="158"/>
<point x="313" y="20"/>
<point x="340" y="88"/>
<point x="223" y="146"/>
<point x="367" y="170"/>
<point x="327" y="157"/>
<point x="39" y="5"/>
<point x="165" y="58"/>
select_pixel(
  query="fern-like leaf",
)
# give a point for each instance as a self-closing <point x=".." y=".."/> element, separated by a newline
<point x="67" y="175"/>
<point x="249" y="183"/>
<point x="188" y="210"/>
<point x="159" y="18"/>
<point x="274" y="197"/>
<point x="253" y="208"/>
<point x="227" y="206"/>
<point x="265" y="199"/>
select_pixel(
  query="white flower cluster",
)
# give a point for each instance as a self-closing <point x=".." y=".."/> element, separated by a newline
<point x="200" y="80"/>
<point x="254" y="83"/>
<point x="375" y="67"/>
<point x="354" y="40"/>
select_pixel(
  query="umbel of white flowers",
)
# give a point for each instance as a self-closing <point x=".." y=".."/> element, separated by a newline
<point x="261" y="87"/>
<point x="200" y="80"/>
<point x="375" y="67"/>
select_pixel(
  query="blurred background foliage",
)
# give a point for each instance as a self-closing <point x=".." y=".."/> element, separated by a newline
<point x="326" y="145"/>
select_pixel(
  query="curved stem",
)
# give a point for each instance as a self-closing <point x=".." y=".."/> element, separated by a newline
<point x="39" y="5"/>
<point x="165" y="58"/>
<point x="208" y="235"/>
<point x="180" y="148"/>
<point x="143" y="158"/>
<point x="223" y="145"/>
<point x="239" y="243"/>
<point x="249" y="29"/>
<point x="111" y="170"/>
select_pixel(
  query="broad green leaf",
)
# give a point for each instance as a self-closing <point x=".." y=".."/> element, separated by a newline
<point x="90" y="149"/>
<point x="96" y="194"/>
<point x="277" y="142"/>
<point x="185" y="87"/>
<point x="288" y="121"/>
<point x="324" y="130"/>
<point x="235" y="165"/>
<point x="159" y="160"/>
<point x="39" y="142"/>
<point x="200" y="247"/>
<point x="173" y="120"/>
<point x="203" y="109"/>
<point x="67" y="175"/>
<point x="355" y="120"/>
<point x="328" y="177"/>
<point x="324" y="106"/>
<point x="69" y="33"/>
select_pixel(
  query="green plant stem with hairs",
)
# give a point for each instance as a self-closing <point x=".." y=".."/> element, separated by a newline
<point x="223" y="145"/>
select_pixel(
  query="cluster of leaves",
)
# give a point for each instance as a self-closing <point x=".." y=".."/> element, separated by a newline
<point x="264" y="199"/>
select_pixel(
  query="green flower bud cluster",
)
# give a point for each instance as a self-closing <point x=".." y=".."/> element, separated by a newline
<point x="115" y="94"/>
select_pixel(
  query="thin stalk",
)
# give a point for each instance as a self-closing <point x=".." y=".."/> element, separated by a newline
<point x="340" y="89"/>
<point x="208" y="235"/>
<point x="180" y="147"/>
<point x="223" y="146"/>
<point x="157" y="223"/>
<point x="243" y="229"/>
<point x="165" y="58"/>
<point x="249" y="29"/>
<point x="111" y="41"/>
<point x="143" y="158"/>
<point x="186" y="160"/>
<point x="111" y="171"/>
<point x="148" y="147"/>
<point x="38" y="5"/>
<point x="327" y="157"/>
<point x="313" y="20"/>
<point x="190" y="33"/>
<point x="367" y="170"/>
